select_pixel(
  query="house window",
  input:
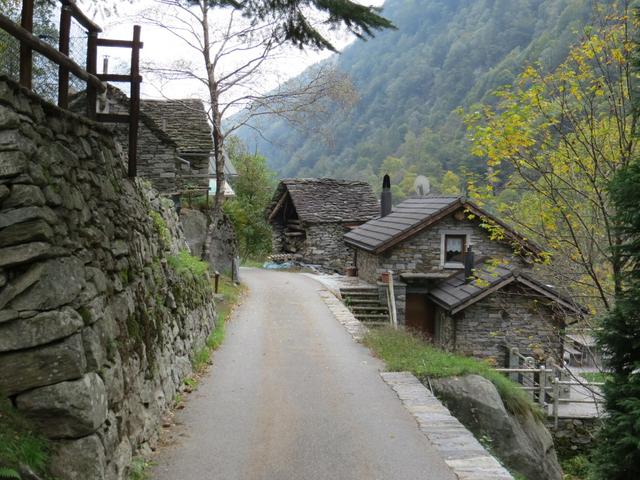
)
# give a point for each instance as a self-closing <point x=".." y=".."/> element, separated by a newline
<point x="454" y="248"/>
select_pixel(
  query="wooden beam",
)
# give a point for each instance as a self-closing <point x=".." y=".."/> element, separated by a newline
<point x="49" y="52"/>
<point x="26" y="51"/>
<point x="80" y="16"/>
<point x="116" y="77"/>
<point x="108" y="42"/>
<point x="112" y="118"/>
<point x="278" y="205"/>
<point x="134" y="103"/>
<point x="63" y="46"/>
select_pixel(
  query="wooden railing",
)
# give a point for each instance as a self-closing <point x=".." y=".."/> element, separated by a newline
<point x="95" y="85"/>
<point x="549" y="384"/>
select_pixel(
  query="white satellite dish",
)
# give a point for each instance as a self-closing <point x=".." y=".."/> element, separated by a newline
<point x="421" y="185"/>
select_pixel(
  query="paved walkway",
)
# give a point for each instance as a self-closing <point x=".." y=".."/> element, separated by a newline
<point x="291" y="397"/>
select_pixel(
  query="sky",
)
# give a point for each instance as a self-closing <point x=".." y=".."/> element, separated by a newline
<point x="162" y="48"/>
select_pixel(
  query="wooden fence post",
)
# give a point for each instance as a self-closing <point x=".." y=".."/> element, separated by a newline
<point x="92" y="68"/>
<point x="26" y="53"/>
<point x="542" y="382"/>
<point x="134" y="102"/>
<point x="514" y="362"/>
<point x="63" y="73"/>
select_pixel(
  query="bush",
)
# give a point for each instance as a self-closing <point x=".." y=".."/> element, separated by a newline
<point x="185" y="262"/>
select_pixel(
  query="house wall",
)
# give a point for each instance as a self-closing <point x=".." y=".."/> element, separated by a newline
<point x="325" y="246"/>
<point x="422" y="252"/>
<point x="510" y="317"/>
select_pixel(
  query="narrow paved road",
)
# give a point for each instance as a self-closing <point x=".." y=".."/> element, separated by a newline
<point x="290" y="396"/>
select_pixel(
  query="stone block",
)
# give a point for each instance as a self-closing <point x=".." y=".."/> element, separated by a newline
<point x="12" y="164"/>
<point x="39" y="330"/>
<point x="4" y="192"/>
<point x="67" y="409"/>
<point x="81" y="459"/>
<point x="33" y="231"/>
<point x="25" y="214"/>
<point x="61" y="282"/>
<point x="20" y="283"/>
<point x="37" y="367"/>
<point x="24" y="196"/>
<point x="19" y="254"/>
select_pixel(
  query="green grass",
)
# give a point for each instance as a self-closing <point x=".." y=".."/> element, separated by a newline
<point x="19" y="443"/>
<point x="576" y="468"/>
<point x="139" y="469"/>
<point x="595" y="377"/>
<point x="185" y="262"/>
<point x="403" y="351"/>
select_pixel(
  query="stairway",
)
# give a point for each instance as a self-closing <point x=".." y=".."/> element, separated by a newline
<point x="365" y="305"/>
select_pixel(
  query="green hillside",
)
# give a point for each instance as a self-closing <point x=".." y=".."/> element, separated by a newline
<point x="445" y="54"/>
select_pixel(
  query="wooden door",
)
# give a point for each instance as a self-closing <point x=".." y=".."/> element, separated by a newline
<point x="420" y="314"/>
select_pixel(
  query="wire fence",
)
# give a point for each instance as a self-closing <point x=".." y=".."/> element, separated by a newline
<point x="45" y="72"/>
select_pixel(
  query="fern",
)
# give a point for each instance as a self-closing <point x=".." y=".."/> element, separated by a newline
<point x="9" y="473"/>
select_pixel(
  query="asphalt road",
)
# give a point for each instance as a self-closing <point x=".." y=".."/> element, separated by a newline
<point x="291" y="396"/>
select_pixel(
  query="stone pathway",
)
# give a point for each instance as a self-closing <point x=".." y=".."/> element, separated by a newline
<point x="458" y="447"/>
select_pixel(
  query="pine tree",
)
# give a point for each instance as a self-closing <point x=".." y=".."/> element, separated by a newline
<point x="617" y="456"/>
<point x="295" y="25"/>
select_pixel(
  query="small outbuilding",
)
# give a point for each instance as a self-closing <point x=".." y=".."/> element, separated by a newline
<point x="309" y="217"/>
<point x="463" y="278"/>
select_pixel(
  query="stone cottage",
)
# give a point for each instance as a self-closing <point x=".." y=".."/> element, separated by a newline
<point x="309" y="217"/>
<point x="463" y="278"/>
<point x="174" y="139"/>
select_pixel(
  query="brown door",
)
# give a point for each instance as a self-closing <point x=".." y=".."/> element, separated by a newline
<point x="419" y="314"/>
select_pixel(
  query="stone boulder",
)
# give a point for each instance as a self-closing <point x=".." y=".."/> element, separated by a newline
<point x="194" y="225"/>
<point x="521" y="442"/>
<point x="80" y="459"/>
<point x="223" y="246"/>
<point x="67" y="409"/>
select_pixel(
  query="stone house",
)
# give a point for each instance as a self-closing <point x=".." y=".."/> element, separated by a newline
<point x="174" y="140"/>
<point x="309" y="217"/>
<point x="463" y="278"/>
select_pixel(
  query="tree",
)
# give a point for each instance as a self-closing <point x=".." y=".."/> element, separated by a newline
<point x="553" y="144"/>
<point x="235" y="55"/>
<point x="617" y="454"/>
<point x="253" y="187"/>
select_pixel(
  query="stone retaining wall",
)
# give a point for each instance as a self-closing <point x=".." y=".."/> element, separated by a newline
<point x="96" y="325"/>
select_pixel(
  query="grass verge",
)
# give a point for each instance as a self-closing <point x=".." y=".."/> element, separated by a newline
<point x="230" y="295"/>
<point x="403" y="351"/>
<point x="19" y="443"/>
<point x="595" y="377"/>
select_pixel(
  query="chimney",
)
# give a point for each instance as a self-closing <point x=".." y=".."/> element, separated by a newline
<point x="469" y="261"/>
<point x="385" y="197"/>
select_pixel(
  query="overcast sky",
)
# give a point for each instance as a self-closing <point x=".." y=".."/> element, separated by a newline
<point x="161" y="47"/>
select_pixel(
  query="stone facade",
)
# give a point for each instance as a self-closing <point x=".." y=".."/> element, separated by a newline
<point x="96" y="326"/>
<point x="324" y="245"/>
<point x="422" y="253"/>
<point x="510" y="317"/>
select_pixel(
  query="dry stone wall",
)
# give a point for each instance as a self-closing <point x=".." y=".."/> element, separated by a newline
<point x="97" y="325"/>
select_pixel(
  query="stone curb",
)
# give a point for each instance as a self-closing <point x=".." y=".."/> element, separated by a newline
<point x="460" y="450"/>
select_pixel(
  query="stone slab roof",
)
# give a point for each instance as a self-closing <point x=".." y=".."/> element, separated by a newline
<point x="184" y="121"/>
<point x="327" y="200"/>
<point x="414" y="215"/>
<point x="454" y="294"/>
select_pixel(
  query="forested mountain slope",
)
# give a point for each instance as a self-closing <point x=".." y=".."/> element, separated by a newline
<point x="445" y="54"/>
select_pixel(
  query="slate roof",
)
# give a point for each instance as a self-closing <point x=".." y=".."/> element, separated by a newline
<point x="414" y="215"/>
<point x="454" y="294"/>
<point x="184" y="121"/>
<point x="326" y="200"/>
